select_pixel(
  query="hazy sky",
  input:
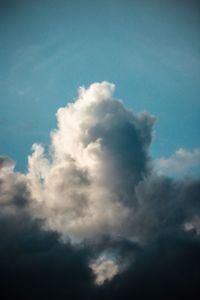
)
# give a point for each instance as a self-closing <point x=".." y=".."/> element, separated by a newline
<point x="149" y="49"/>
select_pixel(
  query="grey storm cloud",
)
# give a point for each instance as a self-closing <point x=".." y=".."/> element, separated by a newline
<point x="92" y="217"/>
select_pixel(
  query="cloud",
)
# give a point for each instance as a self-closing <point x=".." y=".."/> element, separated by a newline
<point x="6" y="163"/>
<point x="193" y="224"/>
<point x="182" y="161"/>
<point x="36" y="265"/>
<point x="92" y="219"/>
<point x="104" y="269"/>
<point x="14" y="192"/>
<point x="98" y="154"/>
<point x="166" y="268"/>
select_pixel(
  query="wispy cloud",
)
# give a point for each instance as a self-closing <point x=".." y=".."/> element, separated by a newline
<point x="181" y="162"/>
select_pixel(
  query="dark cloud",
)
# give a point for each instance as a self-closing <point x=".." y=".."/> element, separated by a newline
<point x="166" y="268"/>
<point x="34" y="264"/>
<point x="165" y="203"/>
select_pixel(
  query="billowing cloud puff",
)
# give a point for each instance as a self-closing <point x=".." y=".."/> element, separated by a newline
<point x="98" y="154"/>
<point x="104" y="269"/>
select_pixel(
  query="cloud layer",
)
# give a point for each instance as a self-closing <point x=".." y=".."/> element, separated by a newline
<point x="91" y="218"/>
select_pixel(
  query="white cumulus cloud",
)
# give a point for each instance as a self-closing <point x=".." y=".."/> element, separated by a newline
<point x="84" y="187"/>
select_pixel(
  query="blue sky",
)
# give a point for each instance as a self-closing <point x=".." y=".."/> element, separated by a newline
<point x="149" y="49"/>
